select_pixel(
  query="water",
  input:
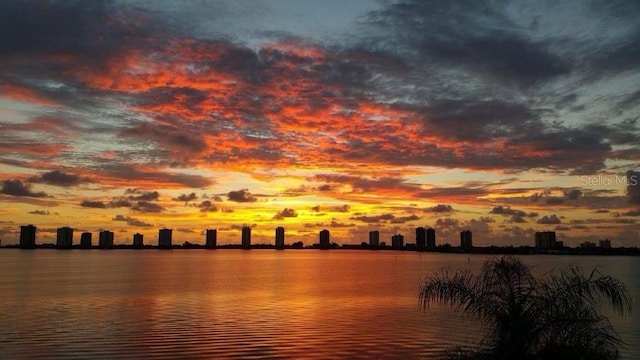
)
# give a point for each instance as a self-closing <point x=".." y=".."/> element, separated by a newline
<point x="193" y="304"/>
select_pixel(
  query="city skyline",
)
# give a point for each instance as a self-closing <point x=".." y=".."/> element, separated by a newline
<point x="502" y="118"/>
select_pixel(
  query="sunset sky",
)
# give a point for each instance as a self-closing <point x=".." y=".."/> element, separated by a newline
<point x="502" y="117"/>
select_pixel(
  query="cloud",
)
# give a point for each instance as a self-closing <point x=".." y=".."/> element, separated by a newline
<point x="186" y="198"/>
<point x="207" y="206"/>
<point x="131" y="221"/>
<point x="147" y="207"/>
<point x="39" y="212"/>
<point x="404" y="219"/>
<point x="138" y="195"/>
<point x="632" y="213"/>
<point x="58" y="178"/>
<point x="553" y="219"/>
<point x="93" y="204"/>
<point x="374" y="218"/>
<point x="18" y="188"/>
<point x="508" y="211"/>
<point x="286" y="213"/>
<point x="633" y="186"/>
<point x="440" y="208"/>
<point x="241" y="196"/>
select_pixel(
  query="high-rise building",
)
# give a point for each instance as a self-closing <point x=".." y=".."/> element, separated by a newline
<point x="374" y="238"/>
<point x="105" y="239"/>
<point x="605" y="244"/>
<point x="421" y="238"/>
<point x="431" y="238"/>
<point x="138" y="240"/>
<point x="545" y="239"/>
<point x="211" y="238"/>
<point x="164" y="238"/>
<point x="64" y="238"/>
<point x="85" y="240"/>
<point x="466" y="239"/>
<point x="279" y="237"/>
<point x="27" y="237"/>
<point x="397" y="241"/>
<point x="325" y="239"/>
<point x="246" y="237"/>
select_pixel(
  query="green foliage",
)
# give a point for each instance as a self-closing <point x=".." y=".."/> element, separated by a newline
<point x="553" y="318"/>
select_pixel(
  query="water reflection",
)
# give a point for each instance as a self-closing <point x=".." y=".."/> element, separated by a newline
<point x="235" y="304"/>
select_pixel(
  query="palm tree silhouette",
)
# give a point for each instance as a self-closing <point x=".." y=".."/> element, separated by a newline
<point x="558" y="317"/>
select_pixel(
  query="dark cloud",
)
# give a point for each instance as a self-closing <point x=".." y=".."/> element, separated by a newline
<point x="120" y="202"/>
<point x="404" y="219"/>
<point x="241" y="196"/>
<point x="131" y="221"/>
<point x="469" y="35"/>
<point x="207" y="206"/>
<point x="138" y="195"/>
<point x="440" y="208"/>
<point x="508" y="211"/>
<point x="18" y="188"/>
<point x="553" y="219"/>
<point x="632" y="213"/>
<point x="39" y="212"/>
<point x="374" y="218"/>
<point x="286" y="213"/>
<point x="57" y="178"/>
<point x="633" y="186"/>
<point x="147" y="207"/>
<point x="573" y="194"/>
<point x="186" y="198"/>
<point x="93" y="204"/>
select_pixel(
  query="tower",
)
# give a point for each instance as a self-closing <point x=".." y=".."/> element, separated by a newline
<point x="27" y="237"/>
<point x="211" y="238"/>
<point x="279" y="237"/>
<point x="246" y="237"/>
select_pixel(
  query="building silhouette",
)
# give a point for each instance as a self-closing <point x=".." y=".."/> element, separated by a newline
<point x="164" y="238"/>
<point x="279" y="237"/>
<point x="64" y="238"/>
<point x="246" y="237"/>
<point x="85" y="240"/>
<point x="397" y="241"/>
<point x="325" y="239"/>
<point x="138" y="240"/>
<point x="546" y="240"/>
<point x="105" y="239"/>
<point x="605" y="244"/>
<point x="421" y="238"/>
<point x="211" y="238"/>
<point x="431" y="238"/>
<point x="466" y="239"/>
<point x="27" y="237"/>
<point x="374" y="238"/>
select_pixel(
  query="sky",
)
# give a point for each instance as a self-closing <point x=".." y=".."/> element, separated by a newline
<point x="500" y="117"/>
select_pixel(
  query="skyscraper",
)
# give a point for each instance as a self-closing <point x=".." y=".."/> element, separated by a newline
<point x="397" y="241"/>
<point x="64" y="238"/>
<point x="279" y="237"/>
<point x="324" y="238"/>
<point x="431" y="238"/>
<point x="466" y="240"/>
<point x="545" y="239"/>
<point x="27" y="237"/>
<point x="138" y="240"/>
<point x="246" y="237"/>
<point x="164" y="238"/>
<point x="421" y="237"/>
<point x="374" y="238"/>
<point x="105" y="239"/>
<point x="211" y="238"/>
<point x="85" y="240"/>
